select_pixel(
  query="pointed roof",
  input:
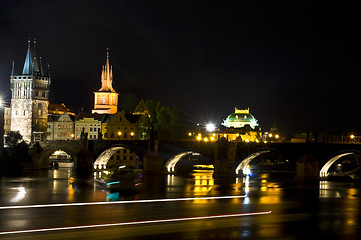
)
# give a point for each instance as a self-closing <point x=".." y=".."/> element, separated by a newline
<point x="107" y="76"/>
<point x="141" y="108"/>
<point x="28" y="65"/>
<point x="36" y="64"/>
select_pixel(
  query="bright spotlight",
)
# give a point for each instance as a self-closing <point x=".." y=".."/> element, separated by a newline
<point x="210" y="127"/>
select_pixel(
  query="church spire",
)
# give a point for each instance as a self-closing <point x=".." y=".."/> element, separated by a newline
<point x="107" y="76"/>
<point x="28" y="65"/>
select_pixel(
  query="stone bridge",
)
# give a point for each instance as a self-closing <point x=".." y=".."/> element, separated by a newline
<point x="227" y="157"/>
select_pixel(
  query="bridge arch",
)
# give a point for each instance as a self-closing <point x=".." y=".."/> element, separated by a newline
<point x="102" y="160"/>
<point x="44" y="157"/>
<point x="329" y="163"/>
<point x="244" y="164"/>
<point x="172" y="162"/>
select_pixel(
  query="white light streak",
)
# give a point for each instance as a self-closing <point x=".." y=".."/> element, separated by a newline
<point x="20" y="194"/>
<point x="245" y="162"/>
<point x="135" y="223"/>
<point x="170" y="165"/>
<point x="119" y="202"/>
<point x="324" y="170"/>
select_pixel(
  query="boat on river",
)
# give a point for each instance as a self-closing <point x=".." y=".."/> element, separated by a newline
<point x="122" y="179"/>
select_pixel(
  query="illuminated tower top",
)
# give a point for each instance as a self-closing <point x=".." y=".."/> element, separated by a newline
<point x="107" y="76"/>
<point x="106" y="98"/>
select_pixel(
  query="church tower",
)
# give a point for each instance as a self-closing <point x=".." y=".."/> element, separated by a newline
<point x="30" y="98"/>
<point x="106" y="98"/>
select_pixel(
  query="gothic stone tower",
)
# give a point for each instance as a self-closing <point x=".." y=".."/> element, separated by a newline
<point x="30" y="98"/>
<point x="106" y="98"/>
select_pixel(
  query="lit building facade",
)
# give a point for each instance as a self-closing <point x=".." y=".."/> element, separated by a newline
<point x="60" y="127"/>
<point x="106" y="98"/>
<point x="30" y="98"/>
<point x="239" y="126"/>
<point x="90" y="124"/>
<point x="120" y="126"/>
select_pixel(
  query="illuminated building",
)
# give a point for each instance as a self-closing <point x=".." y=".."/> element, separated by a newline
<point x="7" y="120"/>
<point x="60" y="127"/>
<point x="239" y="119"/>
<point x="30" y="98"/>
<point x="239" y="126"/>
<point x="91" y="124"/>
<point x="120" y="126"/>
<point x="106" y="98"/>
<point x="59" y="109"/>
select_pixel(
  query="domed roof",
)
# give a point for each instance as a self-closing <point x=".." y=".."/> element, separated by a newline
<point x="239" y="119"/>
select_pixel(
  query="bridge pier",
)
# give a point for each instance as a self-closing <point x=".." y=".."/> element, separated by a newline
<point x="153" y="164"/>
<point x="224" y="158"/>
<point x="308" y="168"/>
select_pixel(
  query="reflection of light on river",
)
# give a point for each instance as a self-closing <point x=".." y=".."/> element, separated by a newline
<point x="326" y="192"/>
<point x="246" y="190"/>
<point x="203" y="182"/>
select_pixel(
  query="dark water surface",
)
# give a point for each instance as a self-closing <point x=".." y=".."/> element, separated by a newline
<point x="329" y="210"/>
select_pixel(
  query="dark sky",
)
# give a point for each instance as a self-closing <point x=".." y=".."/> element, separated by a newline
<point x="294" y="63"/>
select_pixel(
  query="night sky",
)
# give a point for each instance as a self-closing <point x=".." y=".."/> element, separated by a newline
<point x="295" y="64"/>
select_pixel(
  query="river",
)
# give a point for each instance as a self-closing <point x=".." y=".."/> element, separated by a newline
<point x="291" y="211"/>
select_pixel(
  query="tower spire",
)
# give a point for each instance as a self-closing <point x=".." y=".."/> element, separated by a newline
<point x="107" y="76"/>
<point x="28" y="65"/>
<point x="12" y="69"/>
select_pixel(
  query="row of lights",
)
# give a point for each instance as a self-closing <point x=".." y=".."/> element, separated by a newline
<point x="120" y="133"/>
<point x="213" y="137"/>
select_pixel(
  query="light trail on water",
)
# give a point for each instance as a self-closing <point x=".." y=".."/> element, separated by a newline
<point x="118" y="202"/>
<point x="135" y="223"/>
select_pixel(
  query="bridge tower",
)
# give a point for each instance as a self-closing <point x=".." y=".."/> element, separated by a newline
<point x="30" y="98"/>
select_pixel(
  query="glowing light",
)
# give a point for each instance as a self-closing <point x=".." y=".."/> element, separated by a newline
<point x="352" y="136"/>
<point x="199" y="138"/>
<point x="245" y="162"/>
<point x="170" y="165"/>
<point x="212" y="138"/>
<point x="20" y="194"/>
<point x="120" y="202"/>
<point x="206" y="139"/>
<point x="189" y="134"/>
<point x="270" y="135"/>
<point x="119" y="133"/>
<point x="136" y="222"/>
<point x="105" y="156"/>
<point x="277" y="136"/>
<point x="132" y="134"/>
<point x="324" y="169"/>
<point x="210" y="127"/>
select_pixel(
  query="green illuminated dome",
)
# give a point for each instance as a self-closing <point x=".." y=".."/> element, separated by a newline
<point x="239" y="119"/>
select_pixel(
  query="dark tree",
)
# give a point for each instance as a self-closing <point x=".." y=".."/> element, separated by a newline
<point x="13" y="138"/>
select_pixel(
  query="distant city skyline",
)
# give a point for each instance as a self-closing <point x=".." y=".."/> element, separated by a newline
<point x="295" y="64"/>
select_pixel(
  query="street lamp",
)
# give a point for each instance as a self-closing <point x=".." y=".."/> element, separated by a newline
<point x="210" y="127"/>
